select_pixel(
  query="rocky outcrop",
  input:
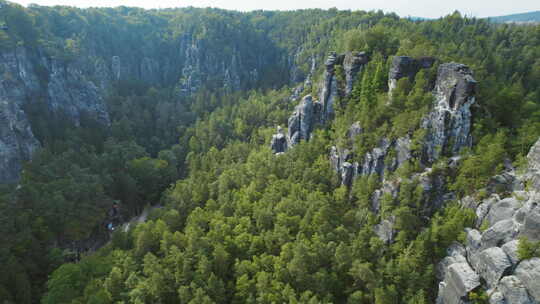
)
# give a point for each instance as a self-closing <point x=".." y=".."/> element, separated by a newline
<point x="32" y="77"/>
<point x="528" y="272"/>
<point x="310" y="112"/>
<point x="352" y="63"/>
<point x="493" y="254"/>
<point x="405" y="66"/>
<point x="302" y="121"/>
<point x="449" y="123"/>
<point x="17" y="142"/>
<point x="278" y="144"/>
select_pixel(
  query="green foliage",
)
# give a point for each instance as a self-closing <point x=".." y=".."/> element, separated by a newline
<point x="240" y="224"/>
<point x="487" y="161"/>
<point x="528" y="249"/>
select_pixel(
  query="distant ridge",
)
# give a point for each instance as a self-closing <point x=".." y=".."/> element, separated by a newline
<point x="529" y="17"/>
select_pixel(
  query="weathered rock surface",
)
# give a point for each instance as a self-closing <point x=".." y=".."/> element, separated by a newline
<point x="385" y="230"/>
<point x="514" y="291"/>
<point x="310" y="112"/>
<point x="17" y="142"/>
<point x="405" y="66"/>
<point x="459" y="280"/>
<point x="449" y="123"/>
<point x="493" y="254"/>
<point x="352" y="65"/>
<point x="278" y="144"/>
<point x="528" y="272"/>
<point x="491" y="264"/>
<point x="301" y="123"/>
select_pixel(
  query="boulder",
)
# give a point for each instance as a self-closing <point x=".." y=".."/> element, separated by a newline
<point x="491" y="264"/>
<point x="455" y="254"/>
<point x="531" y="224"/>
<point x="528" y="272"/>
<point x="496" y="298"/>
<point x="510" y="249"/>
<point x="503" y="209"/>
<point x="459" y="280"/>
<point x="498" y="234"/>
<point x="473" y="242"/>
<point x="514" y="290"/>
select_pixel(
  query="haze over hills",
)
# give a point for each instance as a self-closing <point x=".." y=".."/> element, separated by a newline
<point x="529" y="17"/>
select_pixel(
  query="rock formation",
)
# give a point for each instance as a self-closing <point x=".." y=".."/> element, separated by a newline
<point x="449" y="123"/>
<point x="278" y="144"/>
<point x="301" y="123"/>
<point x="491" y="255"/>
<point x="405" y="66"/>
<point x="352" y="63"/>
<point x="17" y="142"/>
<point x="310" y="112"/>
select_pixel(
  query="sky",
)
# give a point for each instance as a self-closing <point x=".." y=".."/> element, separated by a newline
<point x="416" y="8"/>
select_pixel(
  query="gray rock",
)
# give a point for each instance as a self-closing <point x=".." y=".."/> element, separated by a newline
<point x="533" y="157"/>
<point x="531" y="223"/>
<point x="455" y="254"/>
<point x="503" y="209"/>
<point x="353" y="64"/>
<point x="528" y="272"/>
<point x="491" y="264"/>
<point x="329" y="87"/>
<point x="459" y="280"/>
<point x="278" y="144"/>
<point x="301" y="122"/>
<point x="504" y="182"/>
<point x="405" y="66"/>
<point x="17" y="142"/>
<point x="483" y="209"/>
<point x="514" y="290"/>
<point x="510" y="249"/>
<point x="385" y="230"/>
<point x="347" y="172"/>
<point x="403" y="150"/>
<point x="496" y="298"/>
<point x="374" y="161"/>
<point x="354" y="131"/>
<point x="450" y="119"/>
<point x="498" y="234"/>
<point x="474" y="241"/>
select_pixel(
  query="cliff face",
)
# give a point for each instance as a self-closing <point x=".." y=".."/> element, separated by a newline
<point x="76" y="85"/>
<point x="489" y="260"/>
<point x="449" y="123"/>
<point x="31" y="78"/>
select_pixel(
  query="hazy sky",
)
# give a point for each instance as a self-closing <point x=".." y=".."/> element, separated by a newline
<point x="420" y="8"/>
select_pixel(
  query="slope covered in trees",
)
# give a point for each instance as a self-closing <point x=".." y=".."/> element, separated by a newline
<point x="239" y="224"/>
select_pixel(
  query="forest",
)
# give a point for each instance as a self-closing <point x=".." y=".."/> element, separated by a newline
<point x="236" y="223"/>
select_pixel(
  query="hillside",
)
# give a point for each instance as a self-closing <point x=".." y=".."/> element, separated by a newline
<point x="529" y="17"/>
<point x="309" y="156"/>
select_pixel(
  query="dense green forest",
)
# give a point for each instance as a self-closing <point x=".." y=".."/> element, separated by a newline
<point x="239" y="224"/>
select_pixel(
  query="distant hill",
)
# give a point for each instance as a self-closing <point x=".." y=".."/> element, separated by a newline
<point x="529" y="17"/>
